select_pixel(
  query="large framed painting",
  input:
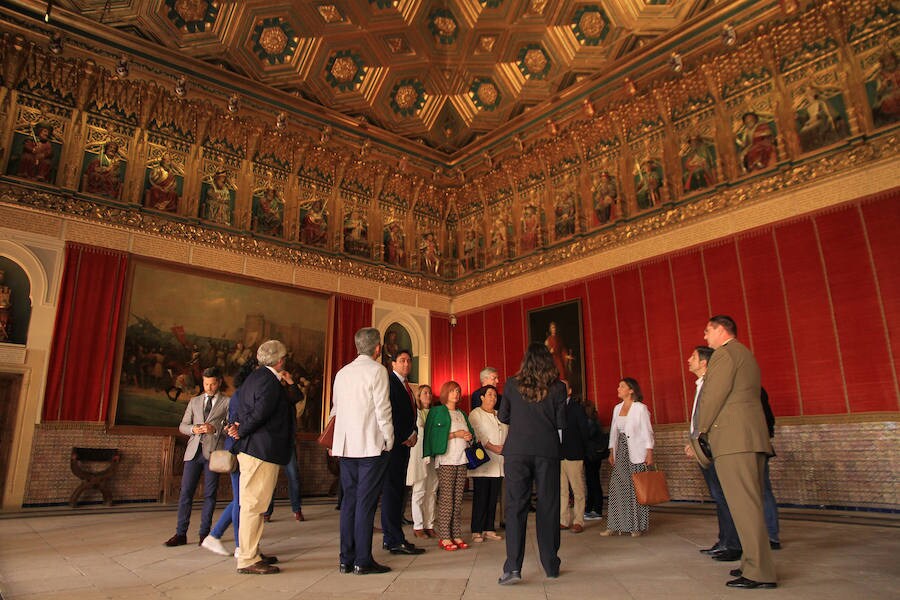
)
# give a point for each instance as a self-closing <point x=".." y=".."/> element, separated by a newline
<point x="181" y="321"/>
<point x="559" y="328"/>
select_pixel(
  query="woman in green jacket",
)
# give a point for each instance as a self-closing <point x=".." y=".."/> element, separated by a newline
<point x="447" y="434"/>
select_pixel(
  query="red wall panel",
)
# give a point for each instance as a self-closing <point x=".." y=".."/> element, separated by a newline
<point x="723" y="277"/>
<point x="513" y="337"/>
<point x="851" y="282"/>
<point x="690" y="298"/>
<point x="493" y="343"/>
<point x="553" y="296"/>
<point x="475" y="324"/>
<point x="821" y="388"/>
<point x="666" y="389"/>
<point x="769" y="322"/>
<point x="600" y="312"/>
<point x="460" y="340"/>
<point x="632" y="332"/>
<point x="441" y="365"/>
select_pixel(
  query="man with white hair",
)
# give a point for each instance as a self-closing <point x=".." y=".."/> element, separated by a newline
<point x="363" y="439"/>
<point x="488" y="376"/>
<point x="265" y="434"/>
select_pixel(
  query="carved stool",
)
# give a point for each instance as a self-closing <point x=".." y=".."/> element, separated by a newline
<point x="93" y="478"/>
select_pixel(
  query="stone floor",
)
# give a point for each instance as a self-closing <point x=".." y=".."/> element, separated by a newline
<point x="93" y="554"/>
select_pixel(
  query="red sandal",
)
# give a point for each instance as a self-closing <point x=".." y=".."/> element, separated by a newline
<point x="461" y="544"/>
<point x="448" y="546"/>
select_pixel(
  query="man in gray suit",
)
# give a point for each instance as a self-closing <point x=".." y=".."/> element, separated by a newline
<point x="204" y="419"/>
<point x="730" y="416"/>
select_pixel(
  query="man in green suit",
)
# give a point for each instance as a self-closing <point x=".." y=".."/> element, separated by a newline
<point x="730" y="415"/>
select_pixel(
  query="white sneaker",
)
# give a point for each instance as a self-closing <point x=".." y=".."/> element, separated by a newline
<point x="237" y="551"/>
<point x="215" y="545"/>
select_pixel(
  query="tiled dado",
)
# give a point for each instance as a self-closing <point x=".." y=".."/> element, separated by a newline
<point x="836" y="464"/>
<point x="142" y="475"/>
<point x="839" y="464"/>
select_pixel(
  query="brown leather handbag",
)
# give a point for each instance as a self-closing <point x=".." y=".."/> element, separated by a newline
<point x="326" y="440"/>
<point x="650" y="487"/>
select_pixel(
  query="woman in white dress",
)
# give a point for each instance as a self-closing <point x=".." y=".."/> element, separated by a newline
<point x="421" y="474"/>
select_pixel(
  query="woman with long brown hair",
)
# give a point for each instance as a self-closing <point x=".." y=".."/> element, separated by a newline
<point x="534" y="408"/>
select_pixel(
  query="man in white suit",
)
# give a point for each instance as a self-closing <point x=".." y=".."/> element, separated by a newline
<point x="204" y="419"/>
<point x="363" y="437"/>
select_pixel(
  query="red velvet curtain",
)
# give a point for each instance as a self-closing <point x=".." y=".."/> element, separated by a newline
<point x="350" y="314"/>
<point x="80" y="380"/>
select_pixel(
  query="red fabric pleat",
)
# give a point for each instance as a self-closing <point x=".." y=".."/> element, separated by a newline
<point x="851" y="282"/>
<point x="476" y="335"/>
<point x="80" y="379"/>
<point x="769" y="321"/>
<point x="513" y="337"/>
<point x="441" y="365"/>
<point x="811" y="327"/>
<point x="666" y="361"/>
<point x="350" y="315"/>
<point x="632" y="333"/>
<point x="600" y="314"/>
<point x="460" y="343"/>
<point x="723" y="278"/>
<point x="690" y="298"/>
<point x="493" y="341"/>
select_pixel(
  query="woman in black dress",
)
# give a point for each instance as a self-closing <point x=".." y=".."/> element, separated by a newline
<point x="534" y="408"/>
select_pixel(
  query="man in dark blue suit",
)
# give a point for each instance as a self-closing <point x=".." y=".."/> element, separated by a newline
<point x="393" y="491"/>
<point x="265" y="434"/>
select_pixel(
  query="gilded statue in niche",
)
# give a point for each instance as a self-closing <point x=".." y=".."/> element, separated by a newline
<point x="472" y="245"/>
<point x="164" y="184"/>
<point x="565" y="208"/>
<point x="499" y="240"/>
<point x="356" y="233"/>
<point x="430" y="253"/>
<point x="756" y="142"/>
<point x="883" y="88"/>
<point x="217" y="204"/>
<point x="648" y="182"/>
<point x="35" y="152"/>
<point x="820" y="115"/>
<point x="268" y="209"/>
<point x="394" y="244"/>
<point x="605" y="197"/>
<point x="530" y="229"/>
<point x="104" y="170"/>
<point x="698" y="163"/>
<point x="314" y="222"/>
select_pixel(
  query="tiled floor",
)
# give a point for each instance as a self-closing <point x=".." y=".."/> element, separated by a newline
<point x="120" y="555"/>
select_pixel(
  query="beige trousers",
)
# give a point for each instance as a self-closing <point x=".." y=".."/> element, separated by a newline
<point x="571" y="473"/>
<point x="258" y="479"/>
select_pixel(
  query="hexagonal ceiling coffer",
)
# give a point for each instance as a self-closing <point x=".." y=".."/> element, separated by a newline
<point x="443" y="26"/>
<point x="534" y="62"/>
<point x="274" y="41"/>
<point x="590" y="25"/>
<point x="193" y="16"/>
<point x="484" y="93"/>
<point x="345" y="70"/>
<point x="407" y="97"/>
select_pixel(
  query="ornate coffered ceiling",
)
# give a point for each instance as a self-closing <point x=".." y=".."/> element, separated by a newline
<point x="441" y="72"/>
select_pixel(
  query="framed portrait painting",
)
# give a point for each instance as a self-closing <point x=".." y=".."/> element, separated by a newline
<point x="181" y="321"/>
<point x="559" y="328"/>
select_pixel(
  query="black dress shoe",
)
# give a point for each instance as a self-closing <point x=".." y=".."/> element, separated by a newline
<point x="749" y="584"/>
<point x="345" y="568"/>
<point x="176" y="540"/>
<point x="775" y="545"/>
<point x="406" y="521"/>
<point x="735" y="572"/>
<point x="715" y="548"/>
<point x="510" y="578"/>
<point x="727" y="555"/>
<point x="269" y="560"/>
<point x="406" y="548"/>
<point x="370" y="569"/>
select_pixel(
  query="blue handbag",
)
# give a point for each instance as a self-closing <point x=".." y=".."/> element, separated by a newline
<point x="476" y="456"/>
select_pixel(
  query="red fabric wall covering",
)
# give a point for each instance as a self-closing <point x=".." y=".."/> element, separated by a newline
<point x="350" y="315"/>
<point x="441" y="363"/>
<point x="797" y="290"/>
<point x="478" y="338"/>
<point x="80" y="377"/>
<point x="882" y="224"/>
<point x="853" y="293"/>
<point x="810" y="324"/>
<point x="768" y="318"/>
<point x="666" y="361"/>
<point x="493" y="341"/>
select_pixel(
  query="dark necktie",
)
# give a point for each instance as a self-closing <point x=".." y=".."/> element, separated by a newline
<point x="207" y="407"/>
<point x="412" y="398"/>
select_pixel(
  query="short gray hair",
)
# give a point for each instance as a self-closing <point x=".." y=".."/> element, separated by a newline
<point x="366" y="340"/>
<point x="270" y="352"/>
<point x="486" y="372"/>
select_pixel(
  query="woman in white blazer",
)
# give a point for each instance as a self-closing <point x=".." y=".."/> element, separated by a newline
<point x="420" y="473"/>
<point x="487" y="479"/>
<point x="631" y="451"/>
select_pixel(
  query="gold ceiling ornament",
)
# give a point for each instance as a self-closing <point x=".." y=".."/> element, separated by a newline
<point x="191" y="10"/>
<point x="330" y="13"/>
<point x="445" y="25"/>
<point x="592" y="24"/>
<point x="273" y="40"/>
<point x="344" y="69"/>
<point x="486" y="43"/>
<point x="535" y="60"/>
<point x="406" y="96"/>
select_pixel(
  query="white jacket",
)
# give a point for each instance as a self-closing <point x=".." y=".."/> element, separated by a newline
<point x="488" y="428"/>
<point x="361" y="407"/>
<point x="418" y="469"/>
<point x="636" y="425"/>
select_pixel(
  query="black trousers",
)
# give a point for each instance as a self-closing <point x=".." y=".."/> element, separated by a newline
<point x="594" y="500"/>
<point x="485" y="493"/>
<point x="393" y="493"/>
<point x="521" y="472"/>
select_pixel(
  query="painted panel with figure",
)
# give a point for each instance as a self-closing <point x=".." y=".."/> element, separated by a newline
<point x="559" y="328"/>
<point x="179" y="322"/>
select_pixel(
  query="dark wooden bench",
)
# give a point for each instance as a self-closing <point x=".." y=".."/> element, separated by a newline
<point x="94" y="477"/>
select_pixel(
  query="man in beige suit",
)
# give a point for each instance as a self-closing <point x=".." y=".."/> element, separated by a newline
<point x="730" y="415"/>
